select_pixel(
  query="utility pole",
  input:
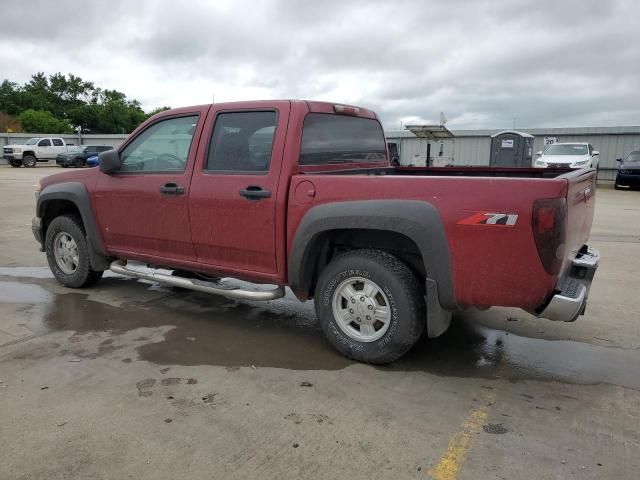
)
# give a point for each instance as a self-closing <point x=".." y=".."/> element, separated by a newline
<point x="514" y="122"/>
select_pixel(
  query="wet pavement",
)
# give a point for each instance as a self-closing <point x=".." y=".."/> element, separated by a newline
<point x="211" y="330"/>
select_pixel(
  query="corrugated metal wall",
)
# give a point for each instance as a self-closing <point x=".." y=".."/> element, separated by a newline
<point x="472" y="147"/>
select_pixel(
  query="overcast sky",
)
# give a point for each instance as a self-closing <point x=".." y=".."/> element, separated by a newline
<point x="546" y="63"/>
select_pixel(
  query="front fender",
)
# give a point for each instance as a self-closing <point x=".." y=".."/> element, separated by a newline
<point x="76" y="193"/>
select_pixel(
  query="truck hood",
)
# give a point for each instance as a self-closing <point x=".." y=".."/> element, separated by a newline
<point x="568" y="159"/>
<point x="83" y="175"/>
<point x="17" y="145"/>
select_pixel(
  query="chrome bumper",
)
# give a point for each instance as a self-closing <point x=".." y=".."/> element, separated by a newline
<point x="570" y="300"/>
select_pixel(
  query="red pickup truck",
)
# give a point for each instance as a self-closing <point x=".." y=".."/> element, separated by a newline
<point x="301" y="194"/>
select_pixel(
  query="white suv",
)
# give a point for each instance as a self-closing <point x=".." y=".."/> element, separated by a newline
<point x="568" y="155"/>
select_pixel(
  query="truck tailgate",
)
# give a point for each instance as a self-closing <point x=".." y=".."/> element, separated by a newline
<point x="581" y="195"/>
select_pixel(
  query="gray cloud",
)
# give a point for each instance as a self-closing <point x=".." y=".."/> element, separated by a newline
<point x="567" y="63"/>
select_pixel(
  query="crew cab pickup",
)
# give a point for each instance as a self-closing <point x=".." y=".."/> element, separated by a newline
<point x="38" y="149"/>
<point x="301" y="194"/>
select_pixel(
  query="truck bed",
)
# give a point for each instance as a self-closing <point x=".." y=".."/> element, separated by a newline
<point x="491" y="266"/>
<point x="462" y="171"/>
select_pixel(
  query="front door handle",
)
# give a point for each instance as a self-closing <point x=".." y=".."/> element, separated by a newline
<point x="255" y="192"/>
<point x="171" y="189"/>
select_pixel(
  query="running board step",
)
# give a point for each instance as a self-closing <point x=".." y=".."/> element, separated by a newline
<point x="121" y="268"/>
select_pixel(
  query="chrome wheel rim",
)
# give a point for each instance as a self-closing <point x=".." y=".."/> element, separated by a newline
<point x="361" y="309"/>
<point x="65" y="252"/>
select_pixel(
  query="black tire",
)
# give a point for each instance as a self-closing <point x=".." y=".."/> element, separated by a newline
<point x="29" y="161"/>
<point x="405" y="299"/>
<point x="84" y="275"/>
<point x="15" y="163"/>
<point x="64" y="165"/>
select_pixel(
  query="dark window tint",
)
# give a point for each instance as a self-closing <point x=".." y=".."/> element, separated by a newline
<point x="57" y="142"/>
<point x="91" y="149"/>
<point x="241" y="142"/>
<point x="104" y="148"/>
<point x="45" y="143"/>
<point x="163" y="147"/>
<point x="340" y="139"/>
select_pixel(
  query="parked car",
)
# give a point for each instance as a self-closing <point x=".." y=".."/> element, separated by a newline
<point x="71" y="150"/>
<point x="93" y="161"/>
<point x="568" y="155"/>
<point x="79" y="159"/>
<point x="38" y="149"/>
<point x="628" y="175"/>
<point x="302" y="194"/>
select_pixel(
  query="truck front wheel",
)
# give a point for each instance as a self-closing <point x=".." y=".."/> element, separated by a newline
<point x="15" y="163"/>
<point x="68" y="253"/>
<point x="29" y="161"/>
<point x="370" y="306"/>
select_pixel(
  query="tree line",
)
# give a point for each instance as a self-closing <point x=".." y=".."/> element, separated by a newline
<point x="60" y="103"/>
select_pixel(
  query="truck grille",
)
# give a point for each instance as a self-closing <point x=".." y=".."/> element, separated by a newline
<point x="7" y="150"/>
<point x="558" y="165"/>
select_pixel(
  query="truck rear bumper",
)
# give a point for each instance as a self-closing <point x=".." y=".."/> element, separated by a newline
<point x="570" y="299"/>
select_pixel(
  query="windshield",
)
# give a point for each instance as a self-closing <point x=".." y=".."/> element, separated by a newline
<point x="566" y="149"/>
<point x="633" y="157"/>
<point x="31" y="141"/>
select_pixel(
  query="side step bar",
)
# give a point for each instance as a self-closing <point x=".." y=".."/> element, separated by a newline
<point x="121" y="268"/>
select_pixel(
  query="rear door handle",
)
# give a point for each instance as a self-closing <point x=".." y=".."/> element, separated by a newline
<point x="171" y="189"/>
<point x="255" y="192"/>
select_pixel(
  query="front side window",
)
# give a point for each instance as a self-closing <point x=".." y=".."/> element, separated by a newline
<point x="328" y="139"/>
<point x="242" y="142"/>
<point x="163" y="147"/>
<point x="57" y="142"/>
<point x="45" y="143"/>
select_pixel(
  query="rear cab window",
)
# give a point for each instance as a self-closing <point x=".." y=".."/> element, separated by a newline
<point x="338" y="139"/>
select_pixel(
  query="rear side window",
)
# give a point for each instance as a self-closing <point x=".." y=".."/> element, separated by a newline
<point x="57" y="142"/>
<point x="328" y="139"/>
<point x="242" y="142"/>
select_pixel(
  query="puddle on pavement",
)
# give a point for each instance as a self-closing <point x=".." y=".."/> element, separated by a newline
<point x="212" y="330"/>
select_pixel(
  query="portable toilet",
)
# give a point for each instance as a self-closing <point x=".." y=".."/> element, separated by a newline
<point x="511" y="148"/>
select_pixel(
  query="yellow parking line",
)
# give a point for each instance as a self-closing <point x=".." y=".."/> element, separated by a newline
<point x="460" y="444"/>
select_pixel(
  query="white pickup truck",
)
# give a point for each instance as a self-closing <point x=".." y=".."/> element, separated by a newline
<point x="38" y="149"/>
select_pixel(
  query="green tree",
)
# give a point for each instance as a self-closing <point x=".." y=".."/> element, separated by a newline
<point x="41" y="121"/>
<point x="71" y="102"/>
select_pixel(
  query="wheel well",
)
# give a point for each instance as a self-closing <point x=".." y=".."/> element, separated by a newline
<point x="56" y="208"/>
<point x="326" y="245"/>
<point x="24" y="154"/>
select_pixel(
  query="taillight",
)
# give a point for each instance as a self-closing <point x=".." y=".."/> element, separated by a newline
<point x="549" y="224"/>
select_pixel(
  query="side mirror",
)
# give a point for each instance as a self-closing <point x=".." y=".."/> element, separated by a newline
<point x="619" y="160"/>
<point x="109" y="161"/>
<point x="594" y="153"/>
<point x="539" y="154"/>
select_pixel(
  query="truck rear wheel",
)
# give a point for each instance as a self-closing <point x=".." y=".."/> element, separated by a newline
<point x="29" y="161"/>
<point x="68" y="254"/>
<point x="370" y="306"/>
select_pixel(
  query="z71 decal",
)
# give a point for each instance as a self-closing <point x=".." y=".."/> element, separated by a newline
<point x="490" y="219"/>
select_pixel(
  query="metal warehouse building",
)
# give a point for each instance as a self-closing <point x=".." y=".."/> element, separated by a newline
<point x="472" y="147"/>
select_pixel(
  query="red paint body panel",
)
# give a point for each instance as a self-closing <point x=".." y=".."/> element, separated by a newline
<point x="212" y="228"/>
